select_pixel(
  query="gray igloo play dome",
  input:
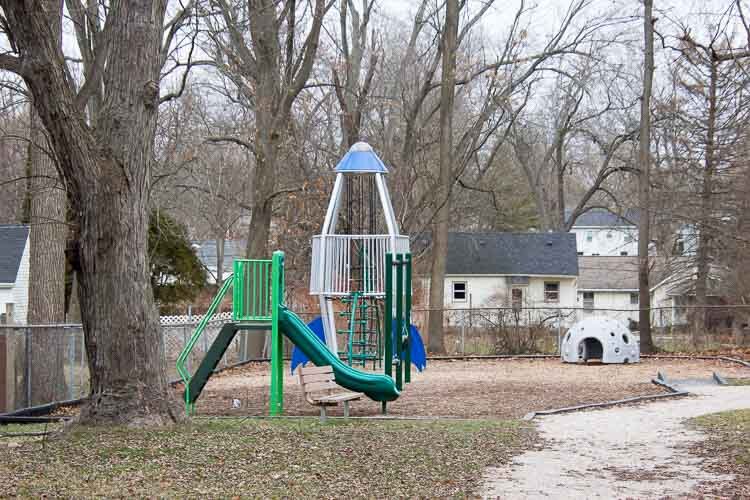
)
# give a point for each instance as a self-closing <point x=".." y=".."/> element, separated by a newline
<point x="600" y="338"/>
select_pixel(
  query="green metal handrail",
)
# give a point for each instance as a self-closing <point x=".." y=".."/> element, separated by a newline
<point x="251" y="300"/>
<point x="184" y="374"/>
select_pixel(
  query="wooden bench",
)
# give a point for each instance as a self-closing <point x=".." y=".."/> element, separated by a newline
<point x="320" y="389"/>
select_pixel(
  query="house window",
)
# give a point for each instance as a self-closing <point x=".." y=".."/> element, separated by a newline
<point x="580" y="253"/>
<point x="588" y="301"/>
<point x="552" y="291"/>
<point x="633" y="299"/>
<point x="679" y="248"/>
<point x="589" y="236"/>
<point x="629" y="238"/>
<point x="609" y="235"/>
<point x="516" y="295"/>
<point x="459" y="291"/>
<point x="624" y="254"/>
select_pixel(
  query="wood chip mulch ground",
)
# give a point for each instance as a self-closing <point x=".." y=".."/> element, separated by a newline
<point x="470" y="389"/>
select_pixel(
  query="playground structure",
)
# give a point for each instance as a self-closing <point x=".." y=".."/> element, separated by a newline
<point x="369" y="274"/>
<point x="600" y="338"/>
<point x="348" y="257"/>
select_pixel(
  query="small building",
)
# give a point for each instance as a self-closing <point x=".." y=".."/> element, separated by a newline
<point x="14" y="273"/>
<point x="605" y="339"/>
<point x="601" y="232"/>
<point x="608" y="287"/>
<point x="511" y="269"/>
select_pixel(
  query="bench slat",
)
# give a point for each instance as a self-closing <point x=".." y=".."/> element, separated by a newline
<point x="320" y="386"/>
<point x="317" y="377"/>
<point x="309" y="370"/>
<point x="346" y="396"/>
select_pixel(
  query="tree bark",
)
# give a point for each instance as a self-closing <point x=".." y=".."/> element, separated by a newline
<point x="107" y="170"/>
<point x="48" y="236"/>
<point x="644" y="183"/>
<point x="703" y="256"/>
<point x="436" y="343"/>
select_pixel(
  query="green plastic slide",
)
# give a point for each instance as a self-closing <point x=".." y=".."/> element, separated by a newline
<point x="376" y="387"/>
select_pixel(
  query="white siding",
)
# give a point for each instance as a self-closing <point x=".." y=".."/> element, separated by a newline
<point x="21" y="288"/>
<point x="6" y="297"/>
<point x="615" y="299"/>
<point x="489" y="291"/>
<point x="606" y="241"/>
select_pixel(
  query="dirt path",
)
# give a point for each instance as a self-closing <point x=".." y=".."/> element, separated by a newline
<point x="626" y="452"/>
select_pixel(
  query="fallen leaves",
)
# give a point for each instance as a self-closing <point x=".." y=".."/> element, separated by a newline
<point x="726" y="450"/>
<point x="266" y="458"/>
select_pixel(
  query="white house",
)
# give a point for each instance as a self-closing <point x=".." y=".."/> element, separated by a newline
<point x="600" y="232"/>
<point x="516" y="270"/>
<point x="14" y="273"/>
<point x="673" y="294"/>
<point x="608" y="286"/>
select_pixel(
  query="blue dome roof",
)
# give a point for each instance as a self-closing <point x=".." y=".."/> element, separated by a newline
<point x="361" y="159"/>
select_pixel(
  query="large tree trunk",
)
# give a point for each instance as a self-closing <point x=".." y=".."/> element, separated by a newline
<point x="644" y="184"/>
<point x="703" y="263"/>
<point x="107" y="170"/>
<point x="436" y="343"/>
<point x="47" y="212"/>
<point x="260" y="226"/>
<point x="560" y="171"/>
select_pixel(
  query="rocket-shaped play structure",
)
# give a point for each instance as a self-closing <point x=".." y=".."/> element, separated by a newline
<point x="349" y="272"/>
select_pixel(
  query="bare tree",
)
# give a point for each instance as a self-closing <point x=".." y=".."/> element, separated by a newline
<point x="445" y="180"/>
<point x="106" y="167"/>
<point x="47" y="216"/>
<point x="644" y="182"/>
<point x="352" y="89"/>
<point x="257" y="47"/>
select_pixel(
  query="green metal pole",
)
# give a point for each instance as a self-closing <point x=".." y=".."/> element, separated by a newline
<point x="388" y="361"/>
<point x="277" y="358"/>
<point x="407" y="319"/>
<point x="399" y="320"/>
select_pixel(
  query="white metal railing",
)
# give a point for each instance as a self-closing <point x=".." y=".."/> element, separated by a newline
<point x="335" y="255"/>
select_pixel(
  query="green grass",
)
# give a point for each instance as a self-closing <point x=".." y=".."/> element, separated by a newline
<point x="263" y="458"/>
<point x="738" y="381"/>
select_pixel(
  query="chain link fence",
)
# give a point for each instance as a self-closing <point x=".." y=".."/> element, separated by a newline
<point x="44" y="364"/>
<point x="539" y="330"/>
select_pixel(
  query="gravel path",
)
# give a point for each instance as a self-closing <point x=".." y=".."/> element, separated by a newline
<point x="622" y="452"/>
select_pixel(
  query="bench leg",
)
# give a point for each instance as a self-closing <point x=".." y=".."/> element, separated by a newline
<point x="346" y="409"/>
<point x="322" y="414"/>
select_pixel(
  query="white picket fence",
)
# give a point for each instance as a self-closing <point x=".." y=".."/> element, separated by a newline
<point x="182" y="319"/>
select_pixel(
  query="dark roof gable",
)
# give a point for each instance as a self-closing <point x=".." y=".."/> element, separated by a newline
<point x="601" y="217"/>
<point x="12" y="242"/>
<point x="552" y="254"/>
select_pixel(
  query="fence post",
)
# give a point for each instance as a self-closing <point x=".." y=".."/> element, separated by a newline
<point x="163" y="343"/>
<point x="463" y="332"/>
<point x="71" y="362"/>
<point x="184" y="343"/>
<point x="559" y="332"/>
<point x="27" y="366"/>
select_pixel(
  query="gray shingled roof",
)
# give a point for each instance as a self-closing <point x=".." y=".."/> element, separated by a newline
<point x="552" y="254"/>
<point x="607" y="273"/>
<point x="12" y="242"/>
<point x="600" y="217"/>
